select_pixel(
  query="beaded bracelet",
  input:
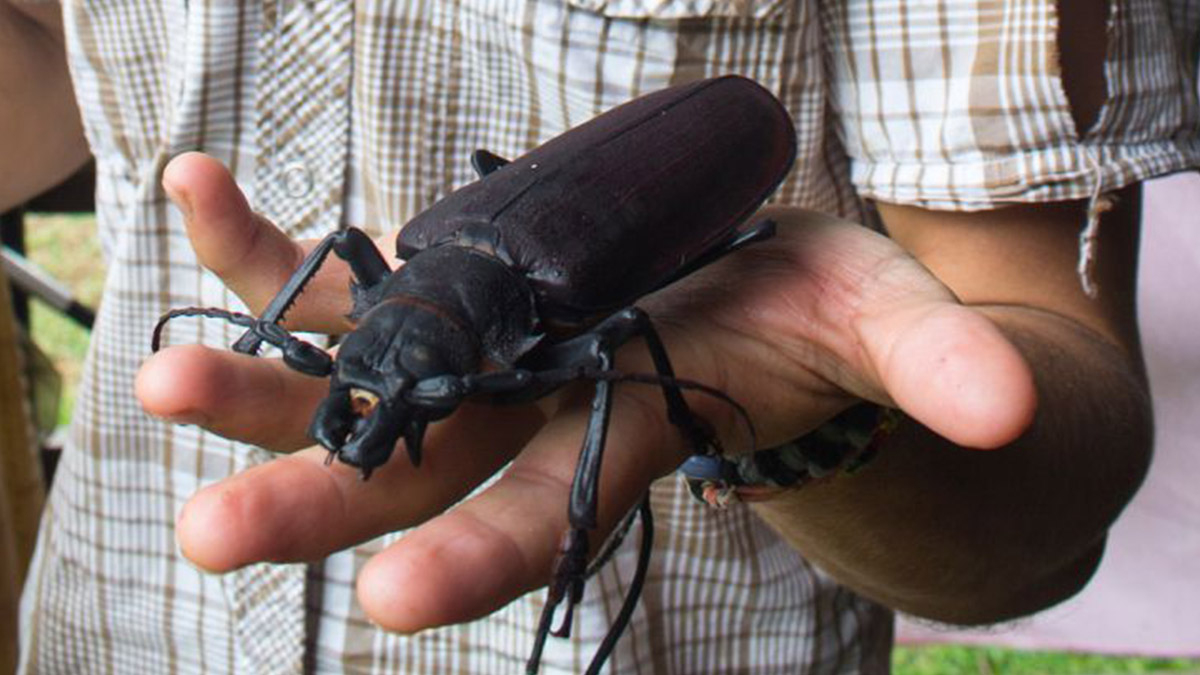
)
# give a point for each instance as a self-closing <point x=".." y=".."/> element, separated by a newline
<point x="847" y="442"/>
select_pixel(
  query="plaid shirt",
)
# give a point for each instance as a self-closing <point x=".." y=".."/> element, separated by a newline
<point x="332" y="112"/>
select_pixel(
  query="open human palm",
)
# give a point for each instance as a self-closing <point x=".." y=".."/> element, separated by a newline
<point x="795" y="329"/>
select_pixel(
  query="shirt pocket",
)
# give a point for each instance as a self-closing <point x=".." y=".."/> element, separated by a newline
<point x="674" y="10"/>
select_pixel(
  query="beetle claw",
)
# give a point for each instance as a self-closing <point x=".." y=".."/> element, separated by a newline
<point x="570" y="568"/>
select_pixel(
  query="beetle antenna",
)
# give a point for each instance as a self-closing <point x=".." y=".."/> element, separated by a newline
<point x="681" y="383"/>
<point x="237" y="318"/>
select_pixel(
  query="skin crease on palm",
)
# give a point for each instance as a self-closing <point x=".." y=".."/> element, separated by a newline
<point x="825" y="313"/>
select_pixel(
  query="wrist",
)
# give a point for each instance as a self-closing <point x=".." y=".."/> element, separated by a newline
<point x="844" y="444"/>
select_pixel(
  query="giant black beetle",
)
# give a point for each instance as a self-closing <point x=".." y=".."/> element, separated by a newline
<point x="524" y="280"/>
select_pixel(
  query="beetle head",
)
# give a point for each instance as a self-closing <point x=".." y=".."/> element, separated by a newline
<point x="394" y="347"/>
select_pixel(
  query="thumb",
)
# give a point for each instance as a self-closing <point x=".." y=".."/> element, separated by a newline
<point x="952" y="369"/>
<point x="250" y="255"/>
<point x="903" y="335"/>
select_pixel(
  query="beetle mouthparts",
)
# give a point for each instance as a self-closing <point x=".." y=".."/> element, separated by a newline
<point x="363" y="402"/>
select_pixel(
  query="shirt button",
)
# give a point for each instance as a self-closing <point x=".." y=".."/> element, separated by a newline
<point x="297" y="180"/>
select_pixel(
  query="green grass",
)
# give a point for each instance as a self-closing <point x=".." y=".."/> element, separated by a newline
<point x="942" y="660"/>
<point x="66" y="246"/>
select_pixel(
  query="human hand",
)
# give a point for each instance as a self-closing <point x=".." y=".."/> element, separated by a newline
<point x="794" y="329"/>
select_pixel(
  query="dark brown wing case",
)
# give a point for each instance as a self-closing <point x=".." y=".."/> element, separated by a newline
<point x="611" y="209"/>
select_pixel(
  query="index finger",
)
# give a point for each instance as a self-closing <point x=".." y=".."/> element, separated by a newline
<point x="251" y="255"/>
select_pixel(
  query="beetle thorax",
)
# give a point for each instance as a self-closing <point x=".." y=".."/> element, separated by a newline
<point x="479" y="293"/>
<point x="419" y="326"/>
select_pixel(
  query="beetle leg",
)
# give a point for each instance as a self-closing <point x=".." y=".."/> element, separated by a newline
<point x="604" y="339"/>
<point x="570" y="569"/>
<point x="614" y="331"/>
<point x="698" y="433"/>
<point x="352" y="245"/>
<point x="553" y="365"/>
<point x="570" y="565"/>
<point x="442" y="394"/>
<point x="632" y="322"/>
<point x="485" y="162"/>
<point x="297" y="354"/>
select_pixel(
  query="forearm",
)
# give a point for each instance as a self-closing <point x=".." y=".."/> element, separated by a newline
<point x="970" y="536"/>
<point x="42" y="139"/>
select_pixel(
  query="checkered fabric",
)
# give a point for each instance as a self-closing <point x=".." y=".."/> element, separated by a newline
<point x="332" y="112"/>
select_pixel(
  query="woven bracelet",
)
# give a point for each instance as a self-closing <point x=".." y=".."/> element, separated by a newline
<point x="845" y="443"/>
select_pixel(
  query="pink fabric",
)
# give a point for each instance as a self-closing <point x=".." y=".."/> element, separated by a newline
<point x="1145" y="599"/>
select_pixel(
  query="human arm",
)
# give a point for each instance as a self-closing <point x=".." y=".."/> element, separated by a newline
<point x="1022" y="527"/>
<point x="42" y="136"/>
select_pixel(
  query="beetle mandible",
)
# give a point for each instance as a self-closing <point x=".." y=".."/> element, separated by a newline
<point x="524" y="280"/>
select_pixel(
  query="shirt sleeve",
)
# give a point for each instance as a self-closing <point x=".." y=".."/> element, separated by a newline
<point x="961" y="106"/>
